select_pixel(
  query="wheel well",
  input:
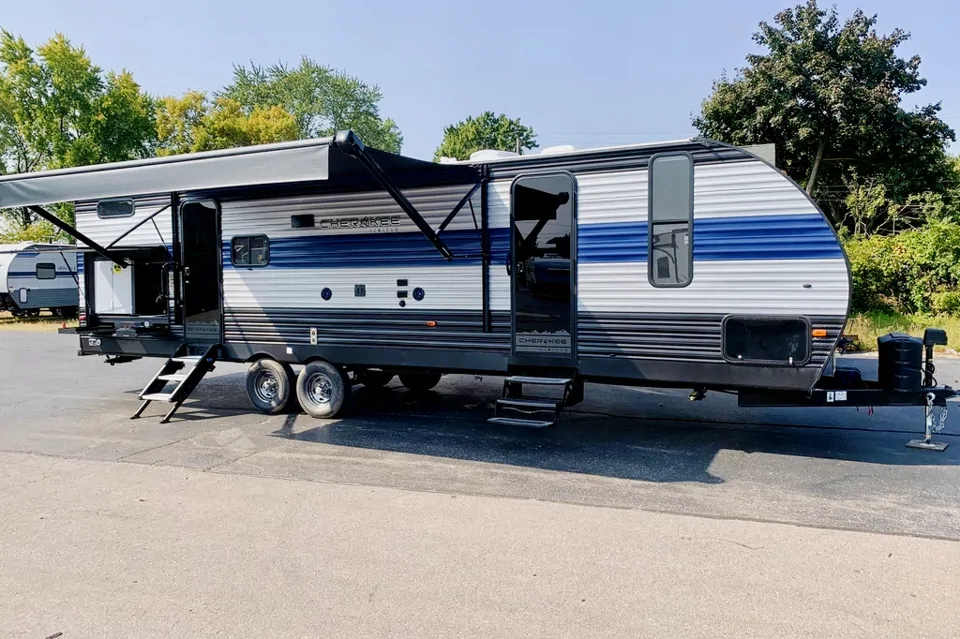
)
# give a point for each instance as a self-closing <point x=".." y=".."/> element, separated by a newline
<point x="256" y="357"/>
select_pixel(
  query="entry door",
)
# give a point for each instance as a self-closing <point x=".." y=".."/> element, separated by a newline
<point x="200" y="258"/>
<point x="543" y="266"/>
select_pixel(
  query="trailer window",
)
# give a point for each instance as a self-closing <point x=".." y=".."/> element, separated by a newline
<point x="768" y="340"/>
<point x="252" y="250"/>
<point x="46" y="271"/>
<point x="115" y="208"/>
<point x="670" y="216"/>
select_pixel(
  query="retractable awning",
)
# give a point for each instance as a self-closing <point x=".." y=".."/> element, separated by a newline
<point x="340" y="159"/>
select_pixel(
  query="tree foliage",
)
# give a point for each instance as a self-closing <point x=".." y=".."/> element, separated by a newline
<point x="486" y="131"/>
<point x="193" y="123"/>
<point x="829" y="95"/>
<point x="321" y="100"/>
<point x="58" y="109"/>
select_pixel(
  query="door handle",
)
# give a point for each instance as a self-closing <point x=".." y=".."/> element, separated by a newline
<point x="509" y="269"/>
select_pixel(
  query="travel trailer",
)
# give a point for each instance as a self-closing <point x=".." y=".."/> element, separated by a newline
<point x="690" y="264"/>
<point x="36" y="277"/>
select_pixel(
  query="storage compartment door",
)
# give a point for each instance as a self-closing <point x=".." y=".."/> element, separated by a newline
<point x="112" y="288"/>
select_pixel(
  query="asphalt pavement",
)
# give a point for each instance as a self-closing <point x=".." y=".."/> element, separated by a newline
<point x="640" y="514"/>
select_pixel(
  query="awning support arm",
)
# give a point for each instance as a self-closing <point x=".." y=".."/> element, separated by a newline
<point x="460" y="205"/>
<point x="138" y="225"/>
<point x="350" y="144"/>
<point x="74" y="233"/>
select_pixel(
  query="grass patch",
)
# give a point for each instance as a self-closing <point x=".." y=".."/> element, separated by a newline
<point x="46" y="323"/>
<point x="869" y="326"/>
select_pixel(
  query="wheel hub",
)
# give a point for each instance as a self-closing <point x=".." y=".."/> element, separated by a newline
<point x="320" y="389"/>
<point x="267" y="387"/>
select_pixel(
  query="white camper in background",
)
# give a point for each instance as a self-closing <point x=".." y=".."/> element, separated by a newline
<point x="36" y="277"/>
<point x="690" y="264"/>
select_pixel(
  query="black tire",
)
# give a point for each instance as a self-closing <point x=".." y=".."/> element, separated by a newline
<point x="420" y="382"/>
<point x="374" y="379"/>
<point x="270" y="385"/>
<point x="322" y="389"/>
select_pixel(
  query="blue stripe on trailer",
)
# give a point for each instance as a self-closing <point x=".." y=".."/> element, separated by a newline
<point x="794" y="237"/>
<point x="780" y="237"/>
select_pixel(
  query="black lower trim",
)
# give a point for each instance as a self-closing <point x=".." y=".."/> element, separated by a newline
<point x="140" y="347"/>
<point x="852" y="397"/>
<point x="680" y="374"/>
<point x="420" y="358"/>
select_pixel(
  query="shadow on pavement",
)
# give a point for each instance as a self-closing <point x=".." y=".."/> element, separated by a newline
<point x="626" y="447"/>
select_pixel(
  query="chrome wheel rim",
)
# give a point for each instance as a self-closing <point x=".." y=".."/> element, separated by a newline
<point x="266" y="386"/>
<point x="319" y="389"/>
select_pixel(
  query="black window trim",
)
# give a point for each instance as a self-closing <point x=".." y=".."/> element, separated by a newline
<point x="45" y="264"/>
<point x="767" y="362"/>
<point x="650" y="222"/>
<point x="133" y="208"/>
<point x="249" y="237"/>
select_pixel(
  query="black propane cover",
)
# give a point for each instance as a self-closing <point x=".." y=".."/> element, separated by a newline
<point x="901" y="362"/>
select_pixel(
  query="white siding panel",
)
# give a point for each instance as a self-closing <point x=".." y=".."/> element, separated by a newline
<point x="445" y="288"/>
<point x="105" y="230"/>
<point x="754" y="286"/>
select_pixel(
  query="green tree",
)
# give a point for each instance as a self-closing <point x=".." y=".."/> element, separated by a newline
<point x="829" y="96"/>
<point x="192" y="123"/>
<point x="486" y="131"/>
<point x="58" y="109"/>
<point x="322" y="100"/>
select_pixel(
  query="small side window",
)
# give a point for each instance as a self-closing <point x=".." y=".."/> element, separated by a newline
<point x="251" y="250"/>
<point x="670" y="220"/>
<point x="46" y="271"/>
<point x="115" y="208"/>
<point x="767" y="340"/>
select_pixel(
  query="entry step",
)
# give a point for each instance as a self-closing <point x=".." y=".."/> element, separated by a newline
<point x="526" y="423"/>
<point x="545" y="381"/>
<point x="172" y="378"/>
<point x="157" y="397"/>
<point x="530" y="405"/>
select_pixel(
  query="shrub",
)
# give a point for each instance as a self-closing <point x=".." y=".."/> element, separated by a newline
<point x="903" y="272"/>
<point x="946" y="303"/>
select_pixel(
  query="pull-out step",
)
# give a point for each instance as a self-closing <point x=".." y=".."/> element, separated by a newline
<point x="176" y="379"/>
<point x="514" y="409"/>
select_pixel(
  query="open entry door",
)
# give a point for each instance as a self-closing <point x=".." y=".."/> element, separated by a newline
<point x="543" y="213"/>
<point x="200" y="259"/>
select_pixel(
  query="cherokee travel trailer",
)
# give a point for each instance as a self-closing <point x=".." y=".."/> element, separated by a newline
<point x="691" y="264"/>
<point x="36" y="277"/>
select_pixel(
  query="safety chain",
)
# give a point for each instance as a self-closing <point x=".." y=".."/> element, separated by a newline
<point x="943" y="420"/>
<point x="941" y="424"/>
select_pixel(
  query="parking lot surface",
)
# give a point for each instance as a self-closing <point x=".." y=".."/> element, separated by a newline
<point x="641" y="512"/>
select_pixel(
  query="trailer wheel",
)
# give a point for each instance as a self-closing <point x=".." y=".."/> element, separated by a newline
<point x="374" y="379"/>
<point x="322" y="389"/>
<point x="420" y="382"/>
<point x="270" y="385"/>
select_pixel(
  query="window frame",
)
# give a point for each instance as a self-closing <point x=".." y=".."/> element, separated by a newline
<point x="233" y="241"/>
<point x="133" y="208"/>
<point x="45" y="265"/>
<point x="808" y="332"/>
<point x="651" y="224"/>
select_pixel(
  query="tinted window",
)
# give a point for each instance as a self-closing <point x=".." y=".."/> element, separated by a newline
<point x="46" y="271"/>
<point x="772" y="340"/>
<point x="671" y="194"/>
<point x="670" y="254"/>
<point x="250" y="251"/>
<point x="670" y="259"/>
<point x="115" y="208"/>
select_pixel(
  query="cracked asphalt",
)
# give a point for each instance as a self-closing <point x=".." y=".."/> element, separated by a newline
<point x="640" y="514"/>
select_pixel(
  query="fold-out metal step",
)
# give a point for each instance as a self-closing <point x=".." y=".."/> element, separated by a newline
<point x="514" y="409"/>
<point x="177" y="378"/>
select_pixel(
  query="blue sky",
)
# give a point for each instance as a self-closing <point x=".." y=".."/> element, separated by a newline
<point x="583" y="73"/>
